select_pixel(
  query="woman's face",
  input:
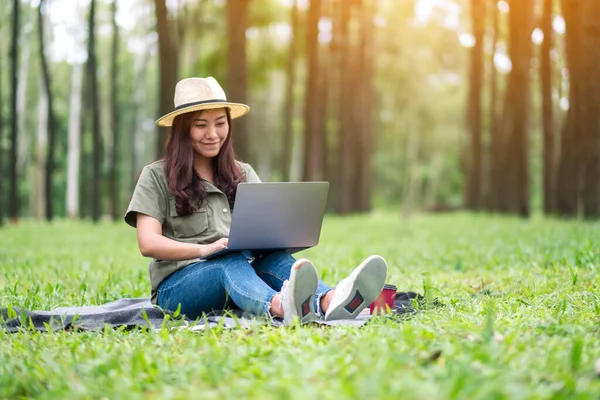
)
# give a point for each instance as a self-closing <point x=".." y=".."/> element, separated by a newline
<point x="209" y="130"/>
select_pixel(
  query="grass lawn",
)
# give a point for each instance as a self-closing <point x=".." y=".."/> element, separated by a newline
<point x="520" y="317"/>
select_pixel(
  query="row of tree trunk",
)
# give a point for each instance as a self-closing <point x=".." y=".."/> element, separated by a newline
<point x="571" y="162"/>
<point x="350" y="52"/>
<point x="345" y="96"/>
<point x="46" y="143"/>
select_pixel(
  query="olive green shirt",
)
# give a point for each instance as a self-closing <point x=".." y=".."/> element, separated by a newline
<point x="210" y="223"/>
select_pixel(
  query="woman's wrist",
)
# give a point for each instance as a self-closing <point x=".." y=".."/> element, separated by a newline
<point x="201" y="250"/>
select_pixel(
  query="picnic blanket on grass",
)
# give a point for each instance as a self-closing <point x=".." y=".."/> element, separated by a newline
<point x="141" y="313"/>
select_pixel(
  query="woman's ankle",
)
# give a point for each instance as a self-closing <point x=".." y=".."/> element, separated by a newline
<point x="276" y="309"/>
<point x="326" y="300"/>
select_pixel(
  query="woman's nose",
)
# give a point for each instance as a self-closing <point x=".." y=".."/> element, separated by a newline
<point x="211" y="131"/>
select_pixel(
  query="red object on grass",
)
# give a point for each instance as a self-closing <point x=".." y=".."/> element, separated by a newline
<point x="385" y="301"/>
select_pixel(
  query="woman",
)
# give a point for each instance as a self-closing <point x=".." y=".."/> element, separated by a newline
<point x="181" y="208"/>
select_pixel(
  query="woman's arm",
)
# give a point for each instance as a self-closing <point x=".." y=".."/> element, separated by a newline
<point x="153" y="244"/>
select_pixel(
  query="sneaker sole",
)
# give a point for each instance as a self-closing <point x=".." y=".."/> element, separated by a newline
<point x="303" y="283"/>
<point x="369" y="279"/>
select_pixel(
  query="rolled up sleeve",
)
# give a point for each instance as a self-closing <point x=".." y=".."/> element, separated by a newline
<point x="148" y="198"/>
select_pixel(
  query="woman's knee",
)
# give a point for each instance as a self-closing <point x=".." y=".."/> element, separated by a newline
<point x="274" y="260"/>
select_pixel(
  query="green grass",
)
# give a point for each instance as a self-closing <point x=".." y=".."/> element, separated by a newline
<point x="520" y="317"/>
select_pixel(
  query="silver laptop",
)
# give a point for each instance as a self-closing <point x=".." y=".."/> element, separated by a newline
<point x="276" y="216"/>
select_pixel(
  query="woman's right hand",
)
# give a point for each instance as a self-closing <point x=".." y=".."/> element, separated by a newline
<point x="213" y="247"/>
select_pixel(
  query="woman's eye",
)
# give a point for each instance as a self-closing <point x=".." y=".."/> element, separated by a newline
<point x="201" y="126"/>
<point x="221" y="124"/>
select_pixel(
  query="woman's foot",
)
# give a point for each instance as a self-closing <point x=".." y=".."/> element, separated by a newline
<point x="297" y="294"/>
<point x="358" y="290"/>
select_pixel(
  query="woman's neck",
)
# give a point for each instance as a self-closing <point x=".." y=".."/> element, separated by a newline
<point x="204" y="167"/>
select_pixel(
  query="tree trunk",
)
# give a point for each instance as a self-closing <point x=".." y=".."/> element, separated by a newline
<point x="288" y="117"/>
<point x="169" y="67"/>
<point x="345" y="140"/>
<point x="74" y="147"/>
<point x="139" y="94"/>
<point x="514" y="181"/>
<point x="95" y="111"/>
<point x="413" y="179"/>
<point x="25" y="141"/>
<point x="40" y="154"/>
<point x="237" y="70"/>
<point x="435" y="173"/>
<point x="474" y="184"/>
<point x="591" y="105"/>
<point x="313" y="144"/>
<point x="51" y="120"/>
<point x="115" y="121"/>
<point x="13" y="204"/>
<point x="549" y="140"/>
<point x="1" y="151"/>
<point x="334" y="101"/>
<point x="570" y="175"/>
<point x="494" y="148"/>
<point x="364" y="107"/>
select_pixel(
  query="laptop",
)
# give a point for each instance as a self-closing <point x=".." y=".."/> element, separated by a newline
<point x="276" y="216"/>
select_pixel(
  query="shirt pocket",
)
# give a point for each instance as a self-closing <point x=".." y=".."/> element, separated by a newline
<point x="190" y="225"/>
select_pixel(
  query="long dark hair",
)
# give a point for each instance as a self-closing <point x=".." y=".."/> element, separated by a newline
<point x="184" y="181"/>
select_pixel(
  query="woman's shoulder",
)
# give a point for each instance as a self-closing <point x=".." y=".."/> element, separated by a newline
<point x="244" y="167"/>
<point x="248" y="172"/>
<point x="158" y="165"/>
<point x="153" y="171"/>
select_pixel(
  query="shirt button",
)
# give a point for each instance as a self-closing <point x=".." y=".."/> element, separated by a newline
<point x="224" y="210"/>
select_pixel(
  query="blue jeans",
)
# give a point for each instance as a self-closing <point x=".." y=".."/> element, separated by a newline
<point x="213" y="284"/>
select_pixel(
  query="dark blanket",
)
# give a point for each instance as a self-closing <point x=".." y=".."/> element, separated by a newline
<point x="140" y="313"/>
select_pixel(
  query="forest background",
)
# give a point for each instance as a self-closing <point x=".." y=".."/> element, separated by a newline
<point x="415" y="105"/>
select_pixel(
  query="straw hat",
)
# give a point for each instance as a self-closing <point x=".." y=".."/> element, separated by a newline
<point x="194" y="94"/>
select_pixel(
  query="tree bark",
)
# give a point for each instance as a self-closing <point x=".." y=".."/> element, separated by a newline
<point x="237" y="70"/>
<point x="1" y="151"/>
<point x="323" y="80"/>
<point x="313" y="144"/>
<point x="115" y="210"/>
<point x="591" y="109"/>
<point x="74" y="147"/>
<point x="95" y="111"/>
<point x="346" y="129"/>
<point x="364" y="107"/>
<point x="23" y="82"/>
<point x="413" y="180"/>
<point x="13" y="204"/>
<point x="288" y="116"/>
<point x="494" y="149"/>
<point x="514" y="178"/>
<point x="169" y="69"/>
<point x="474" y="185"/>
<point x="48" y="185"/>
<point x="570" y="174"/>
<point x="41" y="154"/>
<point x="139" y="93"/>
<point x="549" y="139"/>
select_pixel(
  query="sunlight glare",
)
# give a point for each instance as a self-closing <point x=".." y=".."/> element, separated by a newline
<point x="302" y="4"/>
<point x="502" y="62"/>
<point x="466" y="40"/>
<point x="558" y="24"/>
<point x="325" y="30"/>
<point x="503" y="7"/>
<point x="537" y="36"/>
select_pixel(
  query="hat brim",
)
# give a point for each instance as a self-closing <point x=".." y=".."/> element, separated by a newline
<point x="236" y="110"/>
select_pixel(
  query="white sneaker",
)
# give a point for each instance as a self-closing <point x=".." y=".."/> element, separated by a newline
<point x="358" y="290"/>
<point x="298" y="294"/>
